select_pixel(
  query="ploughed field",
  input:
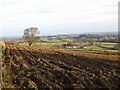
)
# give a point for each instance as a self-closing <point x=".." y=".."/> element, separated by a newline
<point x="43" y="68"/>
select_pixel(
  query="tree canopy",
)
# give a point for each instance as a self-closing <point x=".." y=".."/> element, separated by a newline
<point x="31" y="35"/>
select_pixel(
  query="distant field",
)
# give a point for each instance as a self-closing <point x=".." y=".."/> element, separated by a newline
<point x="106" y="46"/>
<point x="108" y="43"/>
<point x="44" y="44"/>
<point x="96" y="48"/>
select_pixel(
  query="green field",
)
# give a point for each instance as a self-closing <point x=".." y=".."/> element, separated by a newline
<point x="96" y="48"/>
<point x="105" y="46"/>
<point x="44" y="44"/>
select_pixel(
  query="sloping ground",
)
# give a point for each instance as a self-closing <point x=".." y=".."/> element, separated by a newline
<point x="40" y="68"/>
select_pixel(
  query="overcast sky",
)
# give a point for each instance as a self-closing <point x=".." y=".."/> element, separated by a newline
<point x="58" y="16"/>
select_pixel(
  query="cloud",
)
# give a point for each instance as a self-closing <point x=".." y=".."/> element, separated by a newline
<point x="53" y="14"/>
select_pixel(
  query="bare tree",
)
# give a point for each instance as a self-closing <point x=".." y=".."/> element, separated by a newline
<point x="30" y="35"/>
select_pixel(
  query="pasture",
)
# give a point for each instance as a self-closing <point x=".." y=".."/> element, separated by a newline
<point x="104" y="46"/>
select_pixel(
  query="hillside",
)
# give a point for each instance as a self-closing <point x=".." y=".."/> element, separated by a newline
<point x="41" y="68"/>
